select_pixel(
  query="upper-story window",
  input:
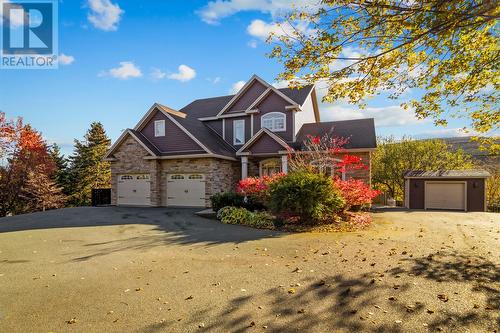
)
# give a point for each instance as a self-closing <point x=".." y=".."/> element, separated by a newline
<point x="274" y="121"/>
<point x="159" y="127"/>
<point x="239" y="132"/>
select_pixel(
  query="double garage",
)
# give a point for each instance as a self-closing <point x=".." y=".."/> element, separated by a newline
<point x="182" y="189"/>
<point x="461" y="190"/>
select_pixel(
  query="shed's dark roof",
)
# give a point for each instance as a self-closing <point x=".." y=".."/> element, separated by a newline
<point x="477" y="173"/>
<point x="359" y="132"/>
<point x="209" y="107"/>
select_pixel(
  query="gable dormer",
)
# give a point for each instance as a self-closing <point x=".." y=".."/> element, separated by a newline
<point x="250" y="94"/>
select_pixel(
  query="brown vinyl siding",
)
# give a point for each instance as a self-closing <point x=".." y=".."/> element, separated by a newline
<point x="265" y="145"/>
<point x="252" y="93"/>
<point x="229" y="130"/>
<point x="475" y="193"/>
<point x="175" y="139"/>
<point x="275" y="103"/>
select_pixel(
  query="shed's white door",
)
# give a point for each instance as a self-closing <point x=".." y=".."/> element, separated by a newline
<point x="134" y="189"/>
<point x="445" y="195"/>
<point x="186" y="189"/>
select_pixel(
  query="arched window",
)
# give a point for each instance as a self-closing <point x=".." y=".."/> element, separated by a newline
<point x="274" y="121"/>
<point x="270" y="167"/>
<point x="327" y="166"/>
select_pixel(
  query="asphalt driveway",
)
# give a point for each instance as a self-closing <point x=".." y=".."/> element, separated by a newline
<point x="166" y="270"/>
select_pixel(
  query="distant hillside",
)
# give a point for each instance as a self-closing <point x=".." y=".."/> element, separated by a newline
<point x="472" y="148"/>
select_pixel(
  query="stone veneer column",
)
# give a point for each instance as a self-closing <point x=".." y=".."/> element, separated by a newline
<point x="244" y="167"/>
<point x="284" y="163"/>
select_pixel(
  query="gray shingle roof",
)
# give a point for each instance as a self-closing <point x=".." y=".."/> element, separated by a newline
<point x="209" y="107"/>
<point x="477" y="173"/>
<point x="206" y="136"/>
<point x="145" y="141"/>
<point x="359" y="132"/>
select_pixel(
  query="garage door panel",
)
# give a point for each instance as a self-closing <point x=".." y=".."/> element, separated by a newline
<point x="445" y="195"/>
<point x="186" y="190"/>
<point x="134" y="189"/>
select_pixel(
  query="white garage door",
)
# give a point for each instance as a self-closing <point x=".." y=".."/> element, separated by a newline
<point x="134" y="189"/>
<point x="186" y="189"/>
<point x="445" y="195"/>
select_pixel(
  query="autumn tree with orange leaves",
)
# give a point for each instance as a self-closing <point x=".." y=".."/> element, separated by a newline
<point x="23" y="151"/>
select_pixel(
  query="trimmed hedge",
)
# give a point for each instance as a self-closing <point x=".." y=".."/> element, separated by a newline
<point x="221" y="200"/>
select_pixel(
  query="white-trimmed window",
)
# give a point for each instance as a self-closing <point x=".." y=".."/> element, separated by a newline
<point x="270" y="167"/>
<point x="159" y="127"/>
<point x="274" y="121"/>
<point x="239" y="132"/>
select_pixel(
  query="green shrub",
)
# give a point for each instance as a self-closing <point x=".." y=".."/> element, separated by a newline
<point x="242" y="216"/>
<point x="311" y="196"/>
<point x="224" y="199"/>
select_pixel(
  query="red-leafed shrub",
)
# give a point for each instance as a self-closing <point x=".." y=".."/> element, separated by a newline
<point x="257" y="189"/>
<point x="356" y="193"/>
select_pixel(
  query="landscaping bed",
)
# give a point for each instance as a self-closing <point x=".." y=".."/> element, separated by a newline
<point x="301" y="201"/>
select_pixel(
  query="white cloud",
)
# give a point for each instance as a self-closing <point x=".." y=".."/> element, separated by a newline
<point x="263" y="30"/>
<point x="387" y="116"/>
<point x="216" y="10"/>
<point x="157" y="74"/>
<point x="347" y="52"/>
<point x="253" y="44"/>
<point x="281" y="84"/>
<point x="184" y="74"/>
<point x="236" y="87"/>
<point x="65" y="59"/>
<point x="214" y="80"/>
<point x="445" y="133"/>
<point x="126" y="70"/>
<point x="104" y="14"/>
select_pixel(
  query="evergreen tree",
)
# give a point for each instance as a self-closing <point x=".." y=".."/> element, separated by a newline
<point x="88" y="170"/>
<point x="61" y="174"/>
<point x="41" y="192"/>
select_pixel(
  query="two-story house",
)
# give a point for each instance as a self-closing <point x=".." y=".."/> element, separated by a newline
<point x="182" y="157"/>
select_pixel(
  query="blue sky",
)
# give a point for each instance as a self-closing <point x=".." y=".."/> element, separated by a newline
<point x="119" y="57"/>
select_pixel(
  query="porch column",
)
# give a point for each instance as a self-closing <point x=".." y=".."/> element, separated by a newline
<point x="284" y="163"/>
<point x="244" y="167"/>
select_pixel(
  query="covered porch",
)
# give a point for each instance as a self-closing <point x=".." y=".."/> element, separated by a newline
<point x="263" y="165"/>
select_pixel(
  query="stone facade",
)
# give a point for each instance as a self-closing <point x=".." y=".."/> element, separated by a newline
<point x="130" y="159"/>
<point x="221" y="175"/>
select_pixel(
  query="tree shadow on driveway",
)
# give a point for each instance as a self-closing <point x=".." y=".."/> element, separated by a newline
<point x="366" y="302"/>
<point x="180" y="225"/>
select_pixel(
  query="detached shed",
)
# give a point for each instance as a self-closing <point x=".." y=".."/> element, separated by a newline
<point x="446" y="189"/>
